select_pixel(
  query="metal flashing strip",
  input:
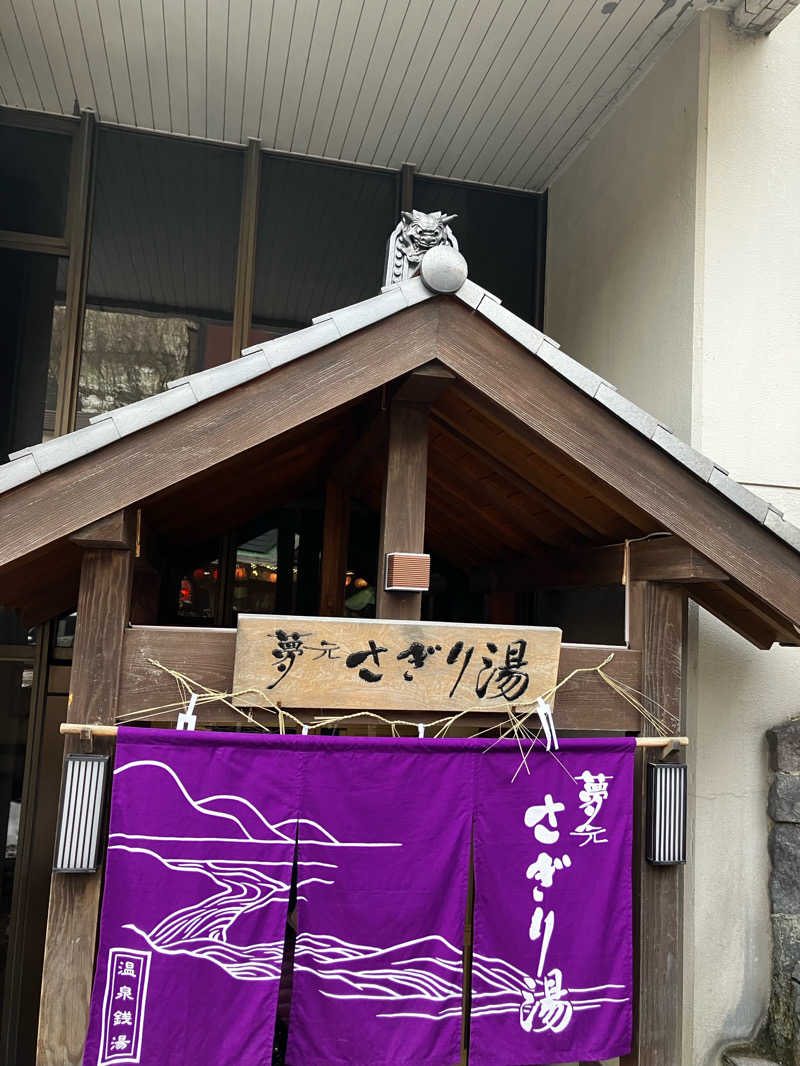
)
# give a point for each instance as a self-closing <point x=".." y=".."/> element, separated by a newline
<point x="260" y="359"/>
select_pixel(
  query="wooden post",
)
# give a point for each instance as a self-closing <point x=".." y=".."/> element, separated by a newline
<point x="657" y="626"/>
<point x="335" y="535"/>
<point x="246" y="251"/>
<point x="407" y="186"/>
<point x="405" y="481"/>
<point x="403" y="509"/>
<point x="79" y="223"/>
<point x="103" y="607"/>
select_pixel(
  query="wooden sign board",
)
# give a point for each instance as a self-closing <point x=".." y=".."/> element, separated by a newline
<point x="364" y="664"/>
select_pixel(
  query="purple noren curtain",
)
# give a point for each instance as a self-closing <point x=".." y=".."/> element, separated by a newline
<point x="214" y="837"/>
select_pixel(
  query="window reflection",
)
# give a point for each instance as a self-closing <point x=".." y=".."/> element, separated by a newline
<point x="198" y="593"/>
<point x="31" y="310"/>
<point x="162" y="266"/>
<point x="127" y="357"/>
<point x="255" y="584"/>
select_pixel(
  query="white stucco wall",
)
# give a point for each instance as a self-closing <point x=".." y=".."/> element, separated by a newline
<point x="621" y="237"/>
<point x="747" y="416"/>
<point x="674" y="271"/>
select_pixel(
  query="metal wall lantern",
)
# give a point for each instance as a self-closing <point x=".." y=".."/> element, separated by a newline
<point x="666" y="813"/>
<point x="80" y="814"/>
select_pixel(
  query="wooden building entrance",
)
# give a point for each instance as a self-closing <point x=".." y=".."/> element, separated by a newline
<point x="416" y="422"/>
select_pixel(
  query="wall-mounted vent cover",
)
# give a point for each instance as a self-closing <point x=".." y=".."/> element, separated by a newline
<point x="407" y="572"/>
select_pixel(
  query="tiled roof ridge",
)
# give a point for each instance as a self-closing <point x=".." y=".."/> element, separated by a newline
<point x="259" y="359"/>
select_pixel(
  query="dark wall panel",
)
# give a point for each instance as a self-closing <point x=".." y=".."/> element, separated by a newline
<point x="34" y="172"/>
<point x="501" y="235"/>
<point x="166" y="223"/>
<point x="322" y="233"/>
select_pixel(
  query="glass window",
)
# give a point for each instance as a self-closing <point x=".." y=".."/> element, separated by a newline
<point x="501" y="234"/>
<point x="193" y="588"/>
<point x="162" y="266"/>
<point x="322" y="232"/>
<point x="32" y="316"/>
<point x="34" y="174"/>
<point x="255" y="583"/>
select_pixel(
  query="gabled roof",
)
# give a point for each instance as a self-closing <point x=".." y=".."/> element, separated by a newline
<point x="550" y="411"/>
<point x="260" y="359"/>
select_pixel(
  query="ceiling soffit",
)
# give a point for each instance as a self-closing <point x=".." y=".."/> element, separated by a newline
<point x="503" y="92"/>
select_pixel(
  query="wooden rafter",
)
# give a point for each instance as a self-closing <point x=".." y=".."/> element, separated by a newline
<point x="598" y="442"/>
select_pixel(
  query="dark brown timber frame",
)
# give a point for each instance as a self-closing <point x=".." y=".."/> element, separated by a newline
<point x="430" y="363"/>
<point x="530" y="403"/>
<point x="103" y="612"/>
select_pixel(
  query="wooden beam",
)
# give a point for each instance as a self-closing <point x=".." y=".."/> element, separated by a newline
<point x="670" y="559"/>
<point x="246" y="250"/>
<point x="79" y="224"/>
<point x="103" y="608"/>
<point x="117" y="530"/>
<point x="34" y="242"/>
<point x="369" y="446"/>
<point x="548" y="408"/>
<point x="425" y="384"/>
<point x="570" y="569"/>
<point x="570" y="518"/>
<point x="335" y="536"/>
<point x="658" y="559"/>
<point x="403" y="505"/>
<point x="186" y="444"/>
<point x="37" y="120"/>
<point x="760" y="627"/>
<point x="206" y="656"/>
<point x="657" y="625"/>
<point x="537" y="462"/>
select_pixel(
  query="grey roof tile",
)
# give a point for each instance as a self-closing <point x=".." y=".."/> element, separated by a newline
<point x="472" y="294"/>
<point x="292" y="345"/>
<point x="626" y="410"/>
<point x="571" y="369"/>
<point x="744" y="498"/>
<point x="526" y="335"/>
<point x="17" y="472"/>
<point x="218" y="379"/>
<point x="785" y="530"/>
<point x="684" y="453"/>
<point x="363" y="314"/>
<point x="414" y="290"/>
<point x="152" y="409"/>
<point x="73" y="445"/>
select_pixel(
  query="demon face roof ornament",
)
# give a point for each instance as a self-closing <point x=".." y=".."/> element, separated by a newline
<point x="415" y="234"/>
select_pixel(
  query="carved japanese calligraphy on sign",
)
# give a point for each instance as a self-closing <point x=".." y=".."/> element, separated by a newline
<point x="357" y="664"/>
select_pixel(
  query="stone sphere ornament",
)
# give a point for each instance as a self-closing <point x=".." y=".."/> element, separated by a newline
<point x="443" y="269"/>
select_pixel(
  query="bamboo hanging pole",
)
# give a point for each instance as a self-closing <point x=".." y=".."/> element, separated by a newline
<point x="76" y="728"/>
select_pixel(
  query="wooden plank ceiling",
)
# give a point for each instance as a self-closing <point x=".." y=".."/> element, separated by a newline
<point x="496" y="91"/>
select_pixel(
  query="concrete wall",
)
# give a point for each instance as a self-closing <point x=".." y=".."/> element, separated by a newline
<point x="674" y="271"/>
<point x="747" y="408"/>
<point x="621" y="239"/>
